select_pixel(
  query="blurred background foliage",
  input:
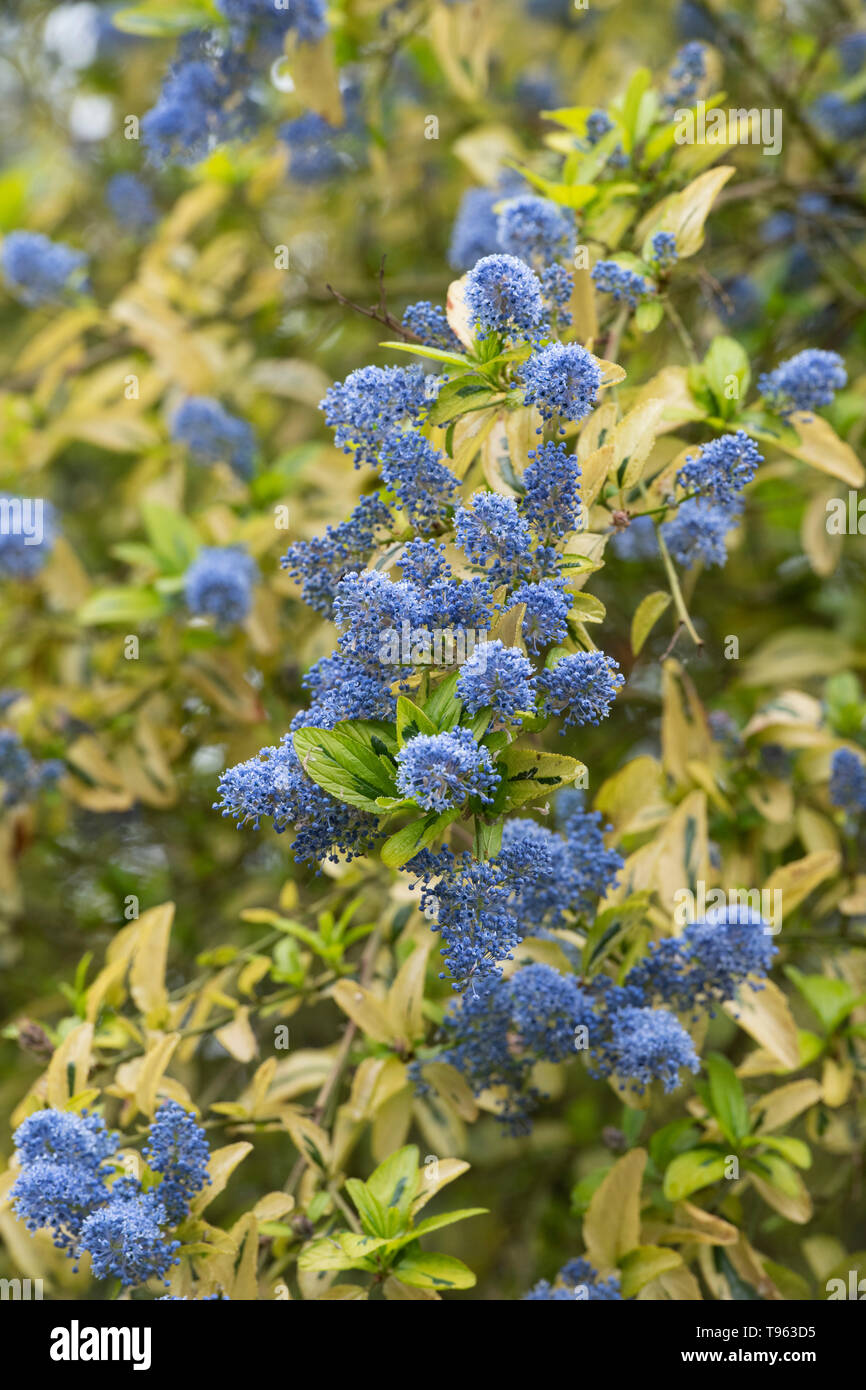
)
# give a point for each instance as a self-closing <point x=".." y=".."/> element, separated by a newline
<point x="225" y="294"/>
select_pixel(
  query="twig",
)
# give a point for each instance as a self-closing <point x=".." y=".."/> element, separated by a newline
<point x="380" y="313"/>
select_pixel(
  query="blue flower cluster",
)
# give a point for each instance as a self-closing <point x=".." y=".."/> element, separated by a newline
<point x="577" y="1281"/>
<point x="493" y="533"/>
<point x="562" y="379"/>
<point x="663" y="250"/>
<point x="28" y="531"/>
<point x="212" y="435"/>
<point x="698" y="531"/>
<point x="848" y="781"/>
<point x="580" y="688"/>
<point x="708" y="962"/>
<point x="273" y="784"/>
<point x="429" y="323"/>
<point x="547" y="605"/>
<point x="178" y="1149"/>
<point x="207" y="97"/>
<point x="440" y="771"/>
<point x="540" y="880"/>
<point x="38" y="270"/>
<point x="219" y="584"/>
<point x="131" y="202"/>
<point x="65" y="1185"/>
<point x="552" y="499"/>
<point x="503" y="296"/>
<point x="621" y="283"/>
<point x="686" y="75"/>
<point x="498" y="678"/>
<point x="21" y="776"/>
<point x="536" y="230"/>
<point x="804" y="382"/>
<point x="722" y="468"/>
<point x="319" y="564"/>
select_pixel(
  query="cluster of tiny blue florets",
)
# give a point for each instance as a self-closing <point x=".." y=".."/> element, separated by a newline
<point x="721" y="468"/>
<point x="620" y="282"/>
<point x="440" y="771"/>
<point x="577" y="1281"/>
<point x="562" y="379"/>
<point x="68" y="1184"/>
<point x="28" y="531"/>
<point x="580" y="688"/>
<point x="22" y="776"/>
<point x="219" y="584"/>
<point x="805" y="382"/>
<point x="212" y="435"/>
<point x="38" y="270"/>
<point x="848" y="781"/>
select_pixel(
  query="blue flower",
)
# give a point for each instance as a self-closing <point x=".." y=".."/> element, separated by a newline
<point x="274" y="784"/>
<point x="63" y="1173"/>
<point x="370" y="403"/>
<point x="471" y="902"/>
<point x="414" y="470"/>
<point x="131" y="202"/>
<point x="63" y="1136"/>
<point x="497" y="677"/>
<point x="637" y="541"/>
<point x="177" y="1148"/>
<point x="39" y="270"/>
<point x="219" y="584"/>
<point x="688" y="71"/>
<point x="547" y="607"/>
<point x="579" y="1282"/>
<point x="203" y="102"/>
<point x="552" y="500"/>
<point x="617" y="280"/>
<point x="708" y="963"/>
<point x="644" y="1045"/>
<point x="848" y="781"/>
<point x="21" y="776"/>
<point x="503" y="296"/>
<point x="475" y="228"/>
<point x="581" y="688"/>
<point x="28" y="531"/>
<point x="439" y="771"/>
<point x="698" y="531"/>
<point x="345" y="688"/>
<point x="536" y="230"/>
<point x="319" y="564"/>
<point x="429" y="323"/>
<point x="844" y="120"/>
<point x="124" y="1240"/>
<point x="492" y="529"/>
<point x="561" y="379"/>
<point x="804" y="382"/>
<point x="212" y="435"/>
<point x="721" y="468"/>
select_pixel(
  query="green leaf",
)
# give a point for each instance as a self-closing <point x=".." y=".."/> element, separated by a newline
<point x="610" y="929"/>
<point x="331" y="1252"/>
<point x="447" y="1218"/>
<point x="829" y="999"/>
<point x="156" y="21"/>
<point x="532" y="774"/>
<point x="368" y="1208"/>
<point x="672" y="1139"/>
<point x="393" y="1186"/>
<point x="460" y="397"/>
<point x="794" y="1150"/>
<point x="423" y="1271"/>
<point x="172" y="536"/>
<point x="443" y="706"/>
<point x="776" y="1171"/>
<point x="649" y="315"/>
<point x="436" y="354"/>
<point x="727" y="373"/>
<point x="411" y="721"/>
<point x="691" y="1171"/>
<point x="727" y="1098"/>
<point x="400" y="847"/>
<point x="121" y="606"/>
<point x="643" y="1264"/>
